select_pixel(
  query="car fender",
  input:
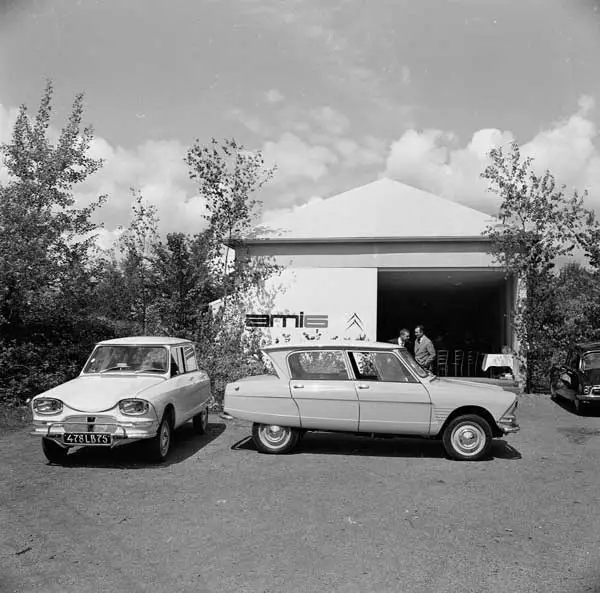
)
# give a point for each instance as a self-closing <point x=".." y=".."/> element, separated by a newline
<point x="265" y="399"/>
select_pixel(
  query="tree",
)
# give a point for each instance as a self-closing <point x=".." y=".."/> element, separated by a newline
<point x="44" y="237"/>
<point x="538" y="223"/>
<point x="47" y="253"/>
<point x="227" y="176"/>
<point x="182" y="281"/>
<point x="578" y="295"/>
<point x="137" y="244"/>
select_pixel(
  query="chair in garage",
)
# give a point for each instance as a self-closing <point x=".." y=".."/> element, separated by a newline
<point x="442" y="362"/>
<point x="459" y="359"/>
<point x="471" y="363"/>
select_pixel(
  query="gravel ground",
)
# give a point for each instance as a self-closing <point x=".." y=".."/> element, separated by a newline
<point x="343" y="513"/>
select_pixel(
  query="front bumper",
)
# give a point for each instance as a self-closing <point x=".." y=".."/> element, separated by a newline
<point x="121" y="432"/>
<point x="508" y="428"/>
<point x="589" y="398"/>
<point x="508" y="421"/>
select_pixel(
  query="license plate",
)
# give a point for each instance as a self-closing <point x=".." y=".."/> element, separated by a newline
<point x="86" y="438"/>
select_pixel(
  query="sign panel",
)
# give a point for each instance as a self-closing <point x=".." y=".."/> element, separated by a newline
<point x="325" y="303"/>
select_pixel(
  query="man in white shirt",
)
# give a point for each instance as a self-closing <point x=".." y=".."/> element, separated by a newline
<point x="404" y="339"/>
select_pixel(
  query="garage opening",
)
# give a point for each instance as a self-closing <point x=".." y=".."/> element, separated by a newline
<point x="462" y="310"/>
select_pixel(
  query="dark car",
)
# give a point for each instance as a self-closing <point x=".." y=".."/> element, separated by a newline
<point x="578" y="379"/>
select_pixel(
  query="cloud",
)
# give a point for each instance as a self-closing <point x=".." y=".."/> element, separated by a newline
<point x="269" y="216"/>
<point x="371" y="151"/>
<point x="249" y="121"/>
<point x="406" y="75"/>
<point x="273" y="96"/>
<point x="433" y="160"/>
<point x="329" y="120"/>
<point x="296" y="159"/>
<point x="157" y="170"/>
<point x="8" y="117"/>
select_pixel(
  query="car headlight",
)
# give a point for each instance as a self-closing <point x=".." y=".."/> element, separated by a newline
<point x="587" y="389"/>
<point x="47" y="406"/>
<point x="133" y="407"/>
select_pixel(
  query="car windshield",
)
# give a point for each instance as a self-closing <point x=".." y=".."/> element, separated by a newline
<point x="590" y="361"/>
<point x="128" y="359"/>
<point x="413" y="364"/>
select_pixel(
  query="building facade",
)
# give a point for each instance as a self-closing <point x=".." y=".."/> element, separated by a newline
<point x="380" y="257"/>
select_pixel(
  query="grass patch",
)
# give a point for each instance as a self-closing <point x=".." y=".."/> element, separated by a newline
<point x="13" y="417"/>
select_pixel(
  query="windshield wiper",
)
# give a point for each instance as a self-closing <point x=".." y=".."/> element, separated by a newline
<point x="120" y="368"/>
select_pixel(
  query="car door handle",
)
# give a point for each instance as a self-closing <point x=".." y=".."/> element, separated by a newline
<point x="362" y="386"/>
<point x="298" y="386"/>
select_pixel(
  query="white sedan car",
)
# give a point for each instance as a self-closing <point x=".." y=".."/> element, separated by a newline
<point x="369" y="388"/>
<point x="129" y="389"/>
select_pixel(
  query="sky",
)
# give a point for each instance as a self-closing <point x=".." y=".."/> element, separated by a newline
<point x="336" y="94"/>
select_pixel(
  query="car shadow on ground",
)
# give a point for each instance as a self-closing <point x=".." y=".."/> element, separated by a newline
<point x="186" y="443"/>
<point x="344" y="444"/>
<point x="587" y="410"/>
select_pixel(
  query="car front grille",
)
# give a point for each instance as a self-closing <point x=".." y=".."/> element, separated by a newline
<point x="101" y="423"/>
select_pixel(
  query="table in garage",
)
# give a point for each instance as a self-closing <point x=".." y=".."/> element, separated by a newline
<point x="498" y="360"/>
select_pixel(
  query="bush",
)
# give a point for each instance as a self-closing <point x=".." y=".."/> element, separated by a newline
<point x="226" y="351"/>
<point x="47" y="356"/>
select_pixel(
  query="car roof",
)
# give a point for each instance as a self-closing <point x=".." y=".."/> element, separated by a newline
<point x="588" y="346"/>
<point x="329" y="344"/>
<point x="144" y="341"/>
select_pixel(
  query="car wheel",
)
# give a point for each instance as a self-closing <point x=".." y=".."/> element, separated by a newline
<point x="271" y="438"/>
<point x="201" y="422"/>
<point x="160" y="445"/>
<point x="468" y="438"/>
<point x="54" y="452"/>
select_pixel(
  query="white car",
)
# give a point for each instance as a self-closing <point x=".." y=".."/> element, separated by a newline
<point x="369" y="388"/>
<point x="130" y="389"/>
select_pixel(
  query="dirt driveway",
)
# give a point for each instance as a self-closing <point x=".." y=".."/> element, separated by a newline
<point x="341" y="514"/>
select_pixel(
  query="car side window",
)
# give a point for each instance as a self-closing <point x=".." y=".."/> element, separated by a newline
<point x="191" y="364"/>
<point x="364" y="366"/>
<point x="318" y="365"/>
<point x="573" y="362"/>
<point x="380" y="366"/>
<point x="177" y="364"/>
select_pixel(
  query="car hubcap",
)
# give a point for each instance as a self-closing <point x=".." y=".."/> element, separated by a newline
<point x="274" y="435"/>
<point x="165" y="438"/>
<point x="469" y="439"/>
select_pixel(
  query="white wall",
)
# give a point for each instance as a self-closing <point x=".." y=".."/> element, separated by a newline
<point x="364" y="254"/>
<point x="347" y="296"/>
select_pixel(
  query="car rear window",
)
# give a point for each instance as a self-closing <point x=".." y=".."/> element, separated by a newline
<point x="324" y="365"/>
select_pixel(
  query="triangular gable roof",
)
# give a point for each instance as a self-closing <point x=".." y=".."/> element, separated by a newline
<point x="384" y="209"/>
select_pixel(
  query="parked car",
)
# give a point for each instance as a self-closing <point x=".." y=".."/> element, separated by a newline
<point x="372" y="388"/>
<point x="578" y="379"/>
<point x="129" y="389"/>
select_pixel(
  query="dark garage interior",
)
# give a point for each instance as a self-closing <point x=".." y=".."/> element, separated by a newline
<point x="461" y="310"/>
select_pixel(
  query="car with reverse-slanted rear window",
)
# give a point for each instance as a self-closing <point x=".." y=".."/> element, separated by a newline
<point x="367" y="388"/>
<point x="130" y="389"/>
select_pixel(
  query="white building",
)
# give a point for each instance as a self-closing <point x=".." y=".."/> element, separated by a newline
<point x="384" y="256"/>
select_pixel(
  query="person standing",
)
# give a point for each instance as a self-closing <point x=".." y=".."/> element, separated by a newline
<point x="404" y="339"/>
<point x="424" y="349"/>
